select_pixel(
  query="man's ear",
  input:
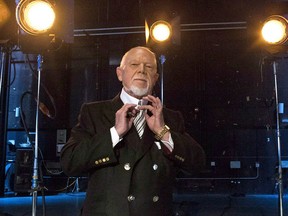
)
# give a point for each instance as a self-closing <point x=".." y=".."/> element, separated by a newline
<point x="119" y="72"/>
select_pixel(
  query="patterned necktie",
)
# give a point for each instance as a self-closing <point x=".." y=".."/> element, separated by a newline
<point x="139" y="122"/>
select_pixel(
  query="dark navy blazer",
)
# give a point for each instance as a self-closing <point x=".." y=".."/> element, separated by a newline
<point x="136" y="177"/>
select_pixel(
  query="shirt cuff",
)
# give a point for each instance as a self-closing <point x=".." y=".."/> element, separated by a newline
<point x="169" y="144"/>
<point x="114" y="137"/>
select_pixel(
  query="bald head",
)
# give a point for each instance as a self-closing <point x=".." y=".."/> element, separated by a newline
<point x="135" y="49"/>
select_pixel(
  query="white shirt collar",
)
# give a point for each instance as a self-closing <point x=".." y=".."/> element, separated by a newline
<point x="126" y="98"/>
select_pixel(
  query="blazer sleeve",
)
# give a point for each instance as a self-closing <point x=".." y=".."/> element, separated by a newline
<point x="89" y="146"/>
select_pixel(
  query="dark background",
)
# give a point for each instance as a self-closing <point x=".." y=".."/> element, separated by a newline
<point x="218" y="75"/>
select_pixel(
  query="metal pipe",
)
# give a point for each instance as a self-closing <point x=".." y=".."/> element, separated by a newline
<point x="4" y="101"/>
<point x="141" y="29"/>
<point x="4" y="54"/>
<point x="280" y="180"/>
<point x="35" y="183"/>
<point x="162" y="61"/>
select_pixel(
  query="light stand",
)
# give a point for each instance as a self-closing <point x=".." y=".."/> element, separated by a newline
<point x="280" y="176"/>
<point x="274" y="34"/>
<point x="162" y="61"/>
<point x="26" y="11"/>
<point x="159" y="32"/>
<point x="35" y="184"/>
<point x="5" y="54"/>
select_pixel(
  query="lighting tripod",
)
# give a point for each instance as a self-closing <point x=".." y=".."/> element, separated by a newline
<point x="280" y="174"/>
<point x="35" y="183"/>
<point x="162" y="61"/>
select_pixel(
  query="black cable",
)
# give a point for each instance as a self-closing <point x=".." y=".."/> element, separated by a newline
<point x="22" y="114"/>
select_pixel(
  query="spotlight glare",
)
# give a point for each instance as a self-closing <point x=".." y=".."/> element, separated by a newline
<point x="35" y="17"/>
<point x="274" y="30"/>
<point x="39" y="15"/>
<point x="160" y="31"/>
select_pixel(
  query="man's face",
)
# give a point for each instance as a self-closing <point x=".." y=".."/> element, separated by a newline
<point x="138" y="73"/>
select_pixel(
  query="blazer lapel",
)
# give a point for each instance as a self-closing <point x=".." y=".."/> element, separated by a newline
<point x="116" y="104"/>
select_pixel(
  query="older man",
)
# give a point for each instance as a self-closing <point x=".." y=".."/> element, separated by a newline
<point x="131" y="147"/>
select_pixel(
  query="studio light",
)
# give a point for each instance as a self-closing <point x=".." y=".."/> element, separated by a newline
<point x="160" y="35"/>
<point x="274" y="35"/>
<point x="157" y="37"/>
<point x="274" y="30"/>
<point x="160" y="31"/>
<point x="35" y="17"/>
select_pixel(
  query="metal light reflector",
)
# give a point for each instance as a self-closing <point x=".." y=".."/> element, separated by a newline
<point x="274" y="30"/>
<point x="35" y="17"/>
